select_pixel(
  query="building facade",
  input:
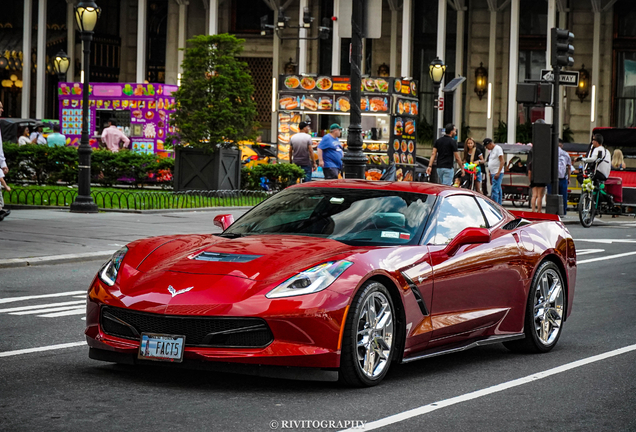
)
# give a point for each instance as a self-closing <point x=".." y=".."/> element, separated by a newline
<point x="494" y="42"/>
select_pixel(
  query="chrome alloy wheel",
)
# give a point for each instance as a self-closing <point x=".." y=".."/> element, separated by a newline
<point x="548" y="307"/>
<point x="375" y="334"/>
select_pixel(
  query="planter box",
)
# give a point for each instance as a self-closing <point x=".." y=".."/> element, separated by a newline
<point x="196" y="169"/>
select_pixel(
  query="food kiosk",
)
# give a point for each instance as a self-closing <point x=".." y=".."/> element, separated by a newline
<point x="389" y="114"/>
<point x="142" y="112"/>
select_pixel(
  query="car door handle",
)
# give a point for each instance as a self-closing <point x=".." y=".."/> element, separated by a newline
<point x="420" y="278"/>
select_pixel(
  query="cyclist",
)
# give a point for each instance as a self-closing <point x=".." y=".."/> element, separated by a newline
<point x="601" y="158"/>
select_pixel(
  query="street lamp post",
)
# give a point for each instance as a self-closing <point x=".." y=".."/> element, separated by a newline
<point x="354" y="160"/>
<point x="61" y="64"/>
<point x="436" y="71"/>
<point x="86" y="14"/>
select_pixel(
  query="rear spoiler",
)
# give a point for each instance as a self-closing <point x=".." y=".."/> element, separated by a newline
<point x="532" y="216"/>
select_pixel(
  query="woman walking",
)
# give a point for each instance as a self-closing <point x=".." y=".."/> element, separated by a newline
<point x="472" y="155"/>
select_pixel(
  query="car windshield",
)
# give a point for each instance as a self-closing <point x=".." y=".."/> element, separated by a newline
<point x="351" y="216"/>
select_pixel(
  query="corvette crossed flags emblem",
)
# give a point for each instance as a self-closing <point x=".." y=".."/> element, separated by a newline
<point x="174" y="292"/>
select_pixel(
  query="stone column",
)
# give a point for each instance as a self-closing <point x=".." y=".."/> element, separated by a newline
<point x="70" y="39"/>
<point x="172" y="42"/>
<point x="596" y="68"/>
<point x="492" y="75"/>
<point x="213" y="17"/>
<point x="513" y="71"/>
<point x="406" y="37"/>
<point x="459" y="69"/>
<point x="40" y="67"/>
<point x="26" y="59"/>
<point x="441" y="52"/>
<point x="335" y="46"/>
<point x="548" y="52"/>
<point x="302" y="43"/>
<point x="394" y="35"/>
<point x="183" y="16"/>
<point x="141" y="40"/>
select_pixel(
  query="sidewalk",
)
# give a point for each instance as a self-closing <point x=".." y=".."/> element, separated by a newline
<point x="31" y="237"/>
<point x="35" y="237"/>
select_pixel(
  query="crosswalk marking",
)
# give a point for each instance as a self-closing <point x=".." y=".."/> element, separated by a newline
<point x="15" y="299"/>
<point x="47" y="310"/>
<point x="41" y="306"/>
<point x="65" y="313"/>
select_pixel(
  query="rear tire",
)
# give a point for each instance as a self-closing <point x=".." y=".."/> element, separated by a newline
<point x="544" y="311"/>
<point x="587" y="209"/>
<point x="369" y="338"/>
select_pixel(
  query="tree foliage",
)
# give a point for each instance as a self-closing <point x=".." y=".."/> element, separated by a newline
<point x="214" y="104"/>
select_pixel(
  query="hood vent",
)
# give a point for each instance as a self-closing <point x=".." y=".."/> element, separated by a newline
<point x="225" y="257"/>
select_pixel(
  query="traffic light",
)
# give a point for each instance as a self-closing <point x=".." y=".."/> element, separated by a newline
<point x="562" y="49"/>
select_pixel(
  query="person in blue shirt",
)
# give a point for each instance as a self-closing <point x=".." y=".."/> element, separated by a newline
<point x="56" y="138"/>
<point x="330" y="152"/>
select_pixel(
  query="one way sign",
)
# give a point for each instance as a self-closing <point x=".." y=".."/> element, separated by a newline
<point x="568" y="79"/>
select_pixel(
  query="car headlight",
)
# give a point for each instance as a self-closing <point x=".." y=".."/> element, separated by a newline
<point x="311" y="280"/>
<point x="108" y="273"/>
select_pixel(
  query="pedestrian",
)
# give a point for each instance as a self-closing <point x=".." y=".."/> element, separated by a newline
<point x="618" y="163"/>
<point x="496" y="165"/>
<point x="445" y="149"/>
<point x="472" y="155"/>
<point x="330" y="152"/>
<point x="4" y="169"/>
<point x="56" y="139"/>
<point x="602" y="157"/>
<point x="37" y="137"/>
<point x="302" y="150"/>
<point x="564" y="175"/>
<point x="24" y="138"/>
<point x="112" y="137"/>
<point x="537" y="189"/>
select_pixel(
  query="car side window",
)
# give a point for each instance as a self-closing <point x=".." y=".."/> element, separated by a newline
<point x="493" y="214"/>
<point x="454" y="214"/>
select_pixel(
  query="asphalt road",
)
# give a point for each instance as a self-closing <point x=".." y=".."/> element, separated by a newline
<point x="63" y="389"/>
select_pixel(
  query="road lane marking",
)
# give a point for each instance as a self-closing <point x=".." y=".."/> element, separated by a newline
<point x="605" y="241"/>
<point x="48" y="310"/>
<point x="425" y="409"/>
<point x="588" y="251"/>
<point x="78" y="311"/>
<point x="15" y="299"/>
<point x="609" y="257"/>
<point x="42" y="306"/>
<point x="40" y="349"/>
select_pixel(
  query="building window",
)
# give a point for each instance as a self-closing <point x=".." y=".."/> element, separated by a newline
<point x="624" y="80"/>
<point x="246" y="16"/>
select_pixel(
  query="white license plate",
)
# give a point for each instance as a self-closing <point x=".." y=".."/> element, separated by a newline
<point x="161" y="347"/>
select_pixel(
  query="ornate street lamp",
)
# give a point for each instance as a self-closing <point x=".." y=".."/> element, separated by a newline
<point x="481" y="80"/>
<point x="86" y="14"/>
<point x="61" y="62"/>
<point x="436" y="70"/>
<point x="583" y="89"/>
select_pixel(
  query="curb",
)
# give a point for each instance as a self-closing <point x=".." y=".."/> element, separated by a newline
<point x="157" y="211"/>
<point x="54" y="259"/>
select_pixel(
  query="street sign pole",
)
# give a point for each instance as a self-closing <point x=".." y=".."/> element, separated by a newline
<point x="554" y="201"/>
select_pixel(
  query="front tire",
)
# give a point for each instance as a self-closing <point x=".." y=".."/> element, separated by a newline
<point x="369" y="338"/>
<point x="587" y="209"/>
<point x="544" y="311"/>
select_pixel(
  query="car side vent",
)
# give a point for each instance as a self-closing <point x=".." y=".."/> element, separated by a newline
<point x="515" y="224"/>
<point x="224" y="257"/>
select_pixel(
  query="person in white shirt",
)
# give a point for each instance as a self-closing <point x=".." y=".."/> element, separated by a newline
<point x="37" y="135"/>
<point x="495" y="167"/>
<point x="602" y="159"/>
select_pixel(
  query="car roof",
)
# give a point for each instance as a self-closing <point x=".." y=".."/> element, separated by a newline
<point x="402" y="186"/>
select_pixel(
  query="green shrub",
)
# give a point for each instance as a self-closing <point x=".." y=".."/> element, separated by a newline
<point x="48" y="165"/>
<point x="278" y="176"/>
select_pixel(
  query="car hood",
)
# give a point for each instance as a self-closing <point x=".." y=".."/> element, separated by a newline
<point x="257" y="257"/>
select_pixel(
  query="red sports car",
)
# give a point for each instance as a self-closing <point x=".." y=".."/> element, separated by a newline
<point x="340" y="276"/>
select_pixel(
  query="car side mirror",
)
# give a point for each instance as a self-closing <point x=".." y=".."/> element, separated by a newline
<point x="467" y="236"/>
<point x="223" y="221"/>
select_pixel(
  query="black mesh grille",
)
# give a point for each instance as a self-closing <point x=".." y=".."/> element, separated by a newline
<point x="199" y="331"/>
